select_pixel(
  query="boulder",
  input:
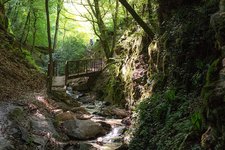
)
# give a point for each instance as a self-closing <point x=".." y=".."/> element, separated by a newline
<point x="83" y="129"/>
<point x="107" y="127"/>
<point x="25" y="135"/>
<point x="62" y="96"/>
<point x="218" y="23"/>
<point x="65" y="116"/>
<point x="86" y="99"/>
<point x="83" y="116"/>
<point x="126" y="121"/>
<point x="5" y="144"/>
<point x="80" y="110"/>
<point x="113" y="111"/>
<point x="40" y="124"/>
<point x="57" y="111"/>
<point x="81" y="113"/>
<point x="40" y="140"/>
<point x="63" y="106"/>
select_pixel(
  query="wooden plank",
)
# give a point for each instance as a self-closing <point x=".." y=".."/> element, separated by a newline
<point x="66" y="72"/>
<point x="58" y="81"/>
<point x="73" y="76"/>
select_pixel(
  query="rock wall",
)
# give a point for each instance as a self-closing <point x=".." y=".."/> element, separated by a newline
<point x="163" y="79"/>
<point x="167" y="82"/>
<point x="213" y="92"/>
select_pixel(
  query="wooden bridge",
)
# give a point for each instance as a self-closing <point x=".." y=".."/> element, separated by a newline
<point x="63" y="72"/>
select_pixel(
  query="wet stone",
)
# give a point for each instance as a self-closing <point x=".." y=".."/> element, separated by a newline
<point x="83" y="129"/>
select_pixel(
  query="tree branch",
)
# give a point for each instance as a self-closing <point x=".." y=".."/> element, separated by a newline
<point x="137" y="18"/>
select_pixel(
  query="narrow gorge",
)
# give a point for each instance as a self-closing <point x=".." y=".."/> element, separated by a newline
<point x="159" y="84"/>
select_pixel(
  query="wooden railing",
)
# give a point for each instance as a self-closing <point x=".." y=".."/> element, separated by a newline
<point x="58" y="68"/>
<point x="79" y="68"/>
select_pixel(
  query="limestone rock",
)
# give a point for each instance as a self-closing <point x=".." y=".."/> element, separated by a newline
<point x="41" y="140"/>
<point x="63" y="106"/>
<point x="113" y="111"/>
<point x="57" y="111"/>
<point x="61" y="96"/>
<point x="42" y="125"/>
<point x="218" y="23"/>
<point x="65" y="116"/>
<point x="83" y="116"/>
<point x="83" y="129"/>
<point x="5" y="144"/>
<point x="80" y="110"/>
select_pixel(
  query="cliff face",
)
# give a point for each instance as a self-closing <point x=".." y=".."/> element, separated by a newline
<point x="213" y="93"/>
<point x="165" y="81"/>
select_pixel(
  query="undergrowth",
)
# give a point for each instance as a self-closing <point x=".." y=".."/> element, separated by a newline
<point x="164" y="122"/>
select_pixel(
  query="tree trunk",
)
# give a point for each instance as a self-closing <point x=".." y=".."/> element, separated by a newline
<point x="50" y="72"/>
<point x="34" y="31"/>
<point x="3" y="18"/>
<point x="137" y="18"/>
<point x="27" y="33"/>
<point x="64" y="34"/>
<point x="102" y="30"/>
<point x="24" y="28"/>
<point x="59" y="8"/>
<point x="115" y="19"/>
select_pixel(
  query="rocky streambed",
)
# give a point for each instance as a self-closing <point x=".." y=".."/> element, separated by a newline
<point x="68" y="121"/>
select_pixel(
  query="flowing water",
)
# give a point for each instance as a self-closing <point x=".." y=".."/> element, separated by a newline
<point x="114" y="138"/>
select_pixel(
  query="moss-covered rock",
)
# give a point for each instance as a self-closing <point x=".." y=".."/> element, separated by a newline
<point x="17" y="114"/>
<point x="218" y="24"/>
<point x="213" y="95"/>
<point x="171" y="118"/>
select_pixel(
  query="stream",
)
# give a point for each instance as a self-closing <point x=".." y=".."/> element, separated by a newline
<point x="114" y="139"/>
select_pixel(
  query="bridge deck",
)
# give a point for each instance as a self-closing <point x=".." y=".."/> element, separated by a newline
<point x="75" y="69"/>
<point x="73" y="76"/>
<point x="58" y="81"/>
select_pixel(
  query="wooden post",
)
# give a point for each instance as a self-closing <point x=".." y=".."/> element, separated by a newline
<point x="48" y="73"/>
<point x="66" y="72"/>
<point x="54" y="71"/>
<point x="94" y="65"/>
<point x="101" y="64"/>
<point x="86" y="61"/>
<point x="78" y="67"/>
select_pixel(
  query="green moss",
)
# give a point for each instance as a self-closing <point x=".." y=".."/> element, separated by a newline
<point x="114" y="87"/>
<point x="30" y="60"/>
<point x="114" y="91"/>
<point x="213" y="71"/>
<point x="196" y="120"/>
<point x="162" y="124"/>
<point x="211" y="78"/>
<point x="17" y="114"/>
<point x="170" y="94"/>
